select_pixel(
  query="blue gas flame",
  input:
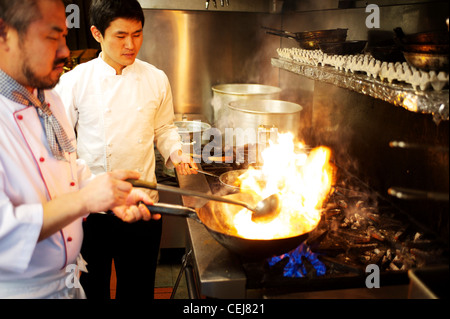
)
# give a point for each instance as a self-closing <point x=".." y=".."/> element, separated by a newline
<point x="295" y="268"/>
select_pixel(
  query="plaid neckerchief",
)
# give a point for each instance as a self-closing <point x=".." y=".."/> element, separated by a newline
<point x="56" y="136"/>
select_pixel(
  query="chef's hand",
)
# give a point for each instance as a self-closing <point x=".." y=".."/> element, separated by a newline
<point x="184" y="164"/>
<point x="134" y="208"/>
<point x="111" y="191"/>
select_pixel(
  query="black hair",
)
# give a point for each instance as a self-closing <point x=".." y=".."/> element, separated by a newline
<point x="19" y="14"/>
<point x="103" y="12"/>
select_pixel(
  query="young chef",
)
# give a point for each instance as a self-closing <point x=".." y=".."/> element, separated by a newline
<point x="121" y="108"/>
<point x="44" y="190"/>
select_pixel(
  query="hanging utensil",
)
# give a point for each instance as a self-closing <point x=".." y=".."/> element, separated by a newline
<point x="416" y="194"/>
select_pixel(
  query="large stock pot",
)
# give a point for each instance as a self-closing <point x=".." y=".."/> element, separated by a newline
<point x="249" y="115"/>
<point x="223" y="94"/>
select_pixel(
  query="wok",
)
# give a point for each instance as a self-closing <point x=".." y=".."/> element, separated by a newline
<point x="427" y="61"/>
<point x="392" y="53"/>
<point x="429" y="37"/>
<point x="228" y="179"/>
<point x="309" y="40"/>
<point x="427" y="48"/>
<point x="217" y="218"/>
<point x="343" y="48"/>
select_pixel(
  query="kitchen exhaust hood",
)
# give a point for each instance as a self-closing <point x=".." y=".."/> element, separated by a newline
<point x="268" y="6"/>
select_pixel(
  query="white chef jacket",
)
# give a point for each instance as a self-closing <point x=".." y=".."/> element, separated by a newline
<point x="29" y="177"/>
<point x="122" y="115"/>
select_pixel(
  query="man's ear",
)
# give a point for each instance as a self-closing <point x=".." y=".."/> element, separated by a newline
<point x="3" y="30"/>
<point x="96" y="34"/>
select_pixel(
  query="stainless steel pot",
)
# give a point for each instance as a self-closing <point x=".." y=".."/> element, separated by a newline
<point x="223" y="94"/>
<point x="188" y="130"/>
<point x="251" y="114"/>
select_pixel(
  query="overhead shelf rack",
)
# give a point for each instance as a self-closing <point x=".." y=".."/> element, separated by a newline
<point x="399" y="94"/>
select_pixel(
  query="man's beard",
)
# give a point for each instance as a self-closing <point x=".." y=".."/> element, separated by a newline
<point x="42" y="82"/>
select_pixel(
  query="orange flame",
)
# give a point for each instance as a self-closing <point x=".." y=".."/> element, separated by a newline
<point x="302" y="182"/>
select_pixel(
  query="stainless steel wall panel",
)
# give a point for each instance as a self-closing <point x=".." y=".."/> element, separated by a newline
<point x="200" y="49"/>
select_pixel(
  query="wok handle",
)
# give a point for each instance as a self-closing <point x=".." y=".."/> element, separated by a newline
<point x="173" y="210"/>
<point x="143" y="184"/>
<point x="277" y="31"/>
<point x="169" y="209"/>
<point x="186" y="192"/>
<point x="281" y="35"/>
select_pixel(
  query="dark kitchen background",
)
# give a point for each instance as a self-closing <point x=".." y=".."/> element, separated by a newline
<point x="199" y="48"/>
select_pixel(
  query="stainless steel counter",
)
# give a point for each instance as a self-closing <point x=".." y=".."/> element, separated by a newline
<point x="218" y="272"/>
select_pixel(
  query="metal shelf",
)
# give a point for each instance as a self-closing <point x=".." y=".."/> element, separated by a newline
<point x="399" y="94"/>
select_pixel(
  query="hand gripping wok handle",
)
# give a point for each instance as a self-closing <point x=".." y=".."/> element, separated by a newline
<point x="173" y="210"/>
<point x="168" y="209"/>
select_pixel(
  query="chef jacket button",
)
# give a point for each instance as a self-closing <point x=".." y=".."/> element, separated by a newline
<point x="72" y="184"/>
<point x="139" y="109"/>
<point x="69" y="239"/>
<point x="20" y="117"/>
<point x="42" y="160"/>
<point x="140" y="141"/>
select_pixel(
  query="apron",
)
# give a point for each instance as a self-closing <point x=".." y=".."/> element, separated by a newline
<point x="63" y="285"/>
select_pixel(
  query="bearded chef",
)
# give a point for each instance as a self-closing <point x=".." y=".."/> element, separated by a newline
<point x="44" y="190"/>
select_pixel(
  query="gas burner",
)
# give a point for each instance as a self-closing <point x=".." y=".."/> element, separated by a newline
<point x="298" y="261"/>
